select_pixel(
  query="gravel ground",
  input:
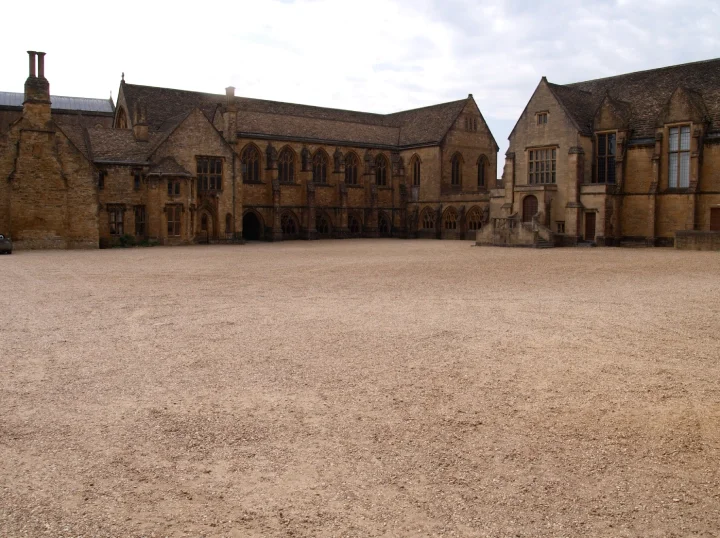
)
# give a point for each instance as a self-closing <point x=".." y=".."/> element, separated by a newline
<point x="360" y="388"/>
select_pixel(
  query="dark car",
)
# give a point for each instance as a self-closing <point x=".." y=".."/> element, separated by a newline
<point x="5" y="245"/>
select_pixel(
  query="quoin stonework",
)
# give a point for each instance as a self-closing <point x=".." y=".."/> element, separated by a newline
<point x="631" y="158"/>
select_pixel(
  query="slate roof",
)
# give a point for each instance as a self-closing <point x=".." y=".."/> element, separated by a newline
<point x="59" y="102"/>
<point x="646" y="92"/>
<point x="168" y="167"/>
<point x="420" y="126"/>
<point x="100" y="144"/>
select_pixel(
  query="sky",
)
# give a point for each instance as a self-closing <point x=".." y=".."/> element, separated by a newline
<point x="372" y="55"/>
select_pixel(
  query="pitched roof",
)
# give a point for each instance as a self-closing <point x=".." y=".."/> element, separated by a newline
<point x="168" y="167"/>
<point x="101" y="144"/>
<point x="646" y="92"/>
<point x="427" y="125"/>
<point x="59" y="102"/>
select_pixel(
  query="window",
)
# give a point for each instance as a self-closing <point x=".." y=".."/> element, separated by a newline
<point x="250" y="159"/>
<point x="102" y="174"/>
<point x="450" y="219"/>
<point x="456" y="170"/>
<point x="470" y="124"/>
<point x="481" y="172"/>
<point x="474" y="124"/>
<point x="381" y="170"/>
<point x="428" y="220"/>
<point x="209" y="174"/>
<point x="322" y="224"/>
<point x="136" y="180"/>
<point x="140" y="220"/>
<point x="542" y="118"/>
<point x="679" y="157"/>
<point x="174" y="215"/>
<point x="286" y="166"/>
<point x="319" y="167"/>
<point x="605" y="167"/>
<point x="354" y="225"/>
<point x="541" y="165"/>
<point x="474" y="219"/>
<point x="173" y="187"/>
<point x="415" y="166"/>
<point x="351" y="169"/>
<point x="560" y="226"/>
<point x="116" y="220"/>
<point x="288" y="224"/>
<point x="383" y="225"/>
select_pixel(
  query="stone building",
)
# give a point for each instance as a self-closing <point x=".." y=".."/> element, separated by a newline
<point x="630" y="158"/>
<point x="178" y="166"/>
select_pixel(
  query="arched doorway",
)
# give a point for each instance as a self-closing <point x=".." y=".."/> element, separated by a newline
<point x="530" y="207"/>
<point x="383" y="225"/>
<point x="322" y="224"/>
<point x="252" y="228"/>
<point x="206" y="227"/>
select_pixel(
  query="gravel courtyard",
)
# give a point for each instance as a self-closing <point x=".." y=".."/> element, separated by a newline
<point x="360" y="388"/>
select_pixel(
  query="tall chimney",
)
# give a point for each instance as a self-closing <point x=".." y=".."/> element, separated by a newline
<point x="230" y="115"/>
<point x="36" y="107"/>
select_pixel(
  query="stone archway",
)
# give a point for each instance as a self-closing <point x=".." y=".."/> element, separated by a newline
<point x="207" y="229"/>
<point x="252" y="227"/>
<point x="530" y="208"/>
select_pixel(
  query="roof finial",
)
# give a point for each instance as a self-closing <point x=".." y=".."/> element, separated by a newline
<point x="123" y="77"/>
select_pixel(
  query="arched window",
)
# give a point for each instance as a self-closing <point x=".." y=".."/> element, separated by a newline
<point x="121" y="122"/>
<point x="456" y="170"/>
<point x="250" y="159"/>
<point x="482" y="164"/>
<point x="450" y="219"/>
<point x="322" y="223"/>
<point x="383" y="225"/>
<point x="474" y="219"/>
<point x="351" y="169"/>
<point x="428" y="219"/>
<point x="354" y="225"/>
<point x="319" y="167"/>
<point x="415" y="167"/>
<point x="204" y="222"/>
<point x="381" y="167"/>
<point x="288" y="224"/>
<point x="286" y="166"/>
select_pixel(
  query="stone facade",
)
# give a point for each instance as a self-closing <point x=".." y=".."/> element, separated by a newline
<point x="619" y="164"/>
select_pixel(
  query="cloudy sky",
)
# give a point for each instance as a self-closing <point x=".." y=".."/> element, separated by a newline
<point x="371" y="55"/>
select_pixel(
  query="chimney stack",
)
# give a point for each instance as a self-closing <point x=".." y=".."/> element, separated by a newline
<point x="140" y="126"/>
<point x="230" y="115"/>
<point x="36" y="107"/>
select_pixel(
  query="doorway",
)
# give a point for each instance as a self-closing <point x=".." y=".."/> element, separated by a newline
<point x="252" y="229"/>
<point x="530" y="208"/>
<point x="590" y="226"/>
<point x="715" y="219"/>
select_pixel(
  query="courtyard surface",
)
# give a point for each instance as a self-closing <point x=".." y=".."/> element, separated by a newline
<point x="360" y="388"/>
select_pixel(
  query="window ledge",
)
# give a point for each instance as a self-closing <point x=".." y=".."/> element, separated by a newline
<point x="349" y="186"/>
<point x="245" y="182"/>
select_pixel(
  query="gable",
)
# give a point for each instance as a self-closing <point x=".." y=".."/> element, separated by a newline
<point x="612" y="114"/>
<point x="684" y="105"/>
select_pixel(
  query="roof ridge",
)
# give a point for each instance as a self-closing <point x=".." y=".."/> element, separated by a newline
<point x="642" y="71"/>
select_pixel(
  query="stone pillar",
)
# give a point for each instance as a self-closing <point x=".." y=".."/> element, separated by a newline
<point x="696" y="145"/>
<point x="654" y="187"/>
<point x="617" y="194"/>
<point x="342" y="228"/>
<point x="310" y="230"/>
<point x="370" y="227"/>
<point x="573" y="208"/>
<point x="155" y="213"/>
<point x="277" y="234"/>
<point x="401" y="230"/>
<point x="438" y="221"/>
<point x="509" y="183"/>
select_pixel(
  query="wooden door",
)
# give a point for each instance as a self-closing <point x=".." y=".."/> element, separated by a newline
<point x="589" y="226"/>
<point x="530" y="207"/>
<point x="715" y="219"/>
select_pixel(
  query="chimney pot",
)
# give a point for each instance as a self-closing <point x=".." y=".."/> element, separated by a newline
<point x="41" y="64"/>
<point x="31" y="54"/>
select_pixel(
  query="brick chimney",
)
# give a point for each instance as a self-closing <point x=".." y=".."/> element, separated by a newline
<point x="230" y="115"/>
<point x="36" y="107"/>
<point x="140" y="126"/>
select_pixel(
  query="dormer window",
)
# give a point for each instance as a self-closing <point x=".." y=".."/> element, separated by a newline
<point x="679" y="157"/>
<point x="542" y="118"/>
<point x="605" y="164"/>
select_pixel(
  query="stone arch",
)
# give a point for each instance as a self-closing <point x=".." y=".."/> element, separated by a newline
<point x="450" y="220"/>
<point x="384" y="224"/>
<point x="253" y="225"/>
<point x="529" y="207"/>
<point x="352" y="168"/>
<point x="428" y="218"/>
<point x="415" y="169"/>
<point x="355" y="223"/>
<point x="474" y="219"/>
<point x="323" y="223"/>
<point x="251" y="163"/>
<point x="207" y="227"/>
<point x="289" y="224"/>
<point x="121" y="121"/>
<point x="287" y="164"/>
<point x="482" y="171"/>
<point x="320" y="164"/>
<point x="382" y="167"/>
<point x="456" y="166"/>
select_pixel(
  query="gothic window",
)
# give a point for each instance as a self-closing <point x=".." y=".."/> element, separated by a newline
<point x="351" y="169"/>
<point x="209" y="174"/>
<point x="288" y="224"/>
<point x="173" y="187"/>
<point x="383" y="225"/>
<point x="415" y="167"/>
<point x="174" y="215"/>
<point x="381" y="166"/>
<point x="115" y="215"/>
<point x="456" y="170"/>
<point x="428" y="220"/>
<point x="250" y="159"/>
<point x="679" y="157"/>
<point x="322" y="224"/>
<point x="319" y="167"/>
<point x="450" y="219"/>
<point x="286" y="166"/>
<point x="605" y="164"/>
<point x="474" y="219"/>
<point x="482" y="165"/>
<point x="121" y="122"/>
<point x="541" y="165"/>
<point x="140" y="220"/>
<point x="102" y="174"/>
<point x="354" y="225"/>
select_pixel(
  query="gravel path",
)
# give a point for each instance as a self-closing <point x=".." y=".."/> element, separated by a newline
<point x="360" y="388"/>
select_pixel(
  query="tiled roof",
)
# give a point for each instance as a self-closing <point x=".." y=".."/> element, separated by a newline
<point x="59" y="102"/>
<point x="100" y="144"/>
<point x="426" y="125"/>
<point x="646" y="92"/>
<point x="168" y="167"/>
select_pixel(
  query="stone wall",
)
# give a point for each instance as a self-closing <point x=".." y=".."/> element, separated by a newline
<point x="697" y="240"/>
